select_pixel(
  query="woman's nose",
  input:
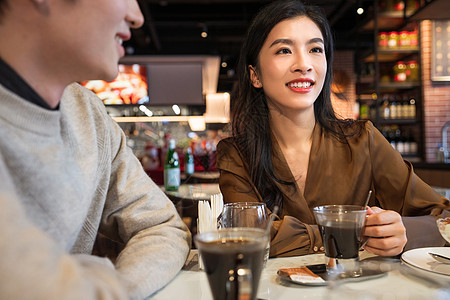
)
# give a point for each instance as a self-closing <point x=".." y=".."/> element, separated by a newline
<point x="301" y="64"/>
<point x="134" y="16"/>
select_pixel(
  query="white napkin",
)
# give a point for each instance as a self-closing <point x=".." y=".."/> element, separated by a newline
<point x="216" y="205"/>
<point x="205" y="218"/>
<point x="208" y="213"/>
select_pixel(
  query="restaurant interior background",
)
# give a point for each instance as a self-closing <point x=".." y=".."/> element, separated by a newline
<point x="391" y="66"/>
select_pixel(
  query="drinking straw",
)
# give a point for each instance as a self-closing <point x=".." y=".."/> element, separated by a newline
<point x="365" y="205"/>
<point x="368" y="197"/>
<point x="271" y="219"/>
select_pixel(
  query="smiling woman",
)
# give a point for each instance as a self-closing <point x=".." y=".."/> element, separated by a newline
<point x="289" y="149"/>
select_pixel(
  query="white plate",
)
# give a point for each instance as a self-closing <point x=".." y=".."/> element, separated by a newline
<point x="419" y="258"/>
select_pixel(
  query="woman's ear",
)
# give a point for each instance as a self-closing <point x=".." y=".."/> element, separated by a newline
<point x="254" y="77"/>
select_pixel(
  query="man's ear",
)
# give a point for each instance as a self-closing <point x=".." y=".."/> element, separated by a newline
<point x="254" y="77"/>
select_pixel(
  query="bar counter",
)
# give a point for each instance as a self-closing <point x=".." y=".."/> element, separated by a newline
<point x="431" y="166"/>
<point x="434" y="174"/>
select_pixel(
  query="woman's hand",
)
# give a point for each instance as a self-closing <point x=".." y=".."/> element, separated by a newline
<point x="386" y="232"/>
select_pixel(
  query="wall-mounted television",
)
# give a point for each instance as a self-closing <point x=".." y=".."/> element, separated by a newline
<point x="175" y="83"/>
<point x="160" y="81"/>
<point x="129" y="87"/>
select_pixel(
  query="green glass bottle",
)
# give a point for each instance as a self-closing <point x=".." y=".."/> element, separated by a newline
<point x="189" y="162"/>
<point x="171" y="168"/>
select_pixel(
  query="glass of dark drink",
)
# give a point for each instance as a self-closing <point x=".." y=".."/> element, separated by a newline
<point x="233" y="260"/>
<point x="245" y="214"/>
<point x="341" y="227"/>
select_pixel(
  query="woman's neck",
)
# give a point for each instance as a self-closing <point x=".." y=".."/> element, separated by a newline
<point x="292" y="130"/>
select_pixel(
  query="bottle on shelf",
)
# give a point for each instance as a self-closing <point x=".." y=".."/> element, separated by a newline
<point x="393" y="110"/>
<point x="399" y="5"/>
<point x="189" y="165"/>
<point x="386" y="108"/>
<point x="399" y="141"/>
<point x="406" y="143"/>
<point x="412" y="71"/>
<point x="412" y="108"/>
<point x="391" y="139"/>
<point x="393" y="40"/>
<point x="400" y="71"/>
<point x="171" y="168"/>
<point x="405" y="107"/>
<point x="364" y="111"/>
<point x="440" y="153"/>
<point x="413" y="146"/>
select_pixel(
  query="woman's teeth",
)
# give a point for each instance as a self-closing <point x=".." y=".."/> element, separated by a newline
<point x="301" y="85"/>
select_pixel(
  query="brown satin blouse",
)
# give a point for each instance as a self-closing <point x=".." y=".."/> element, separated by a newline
<point x="338" y="173"/>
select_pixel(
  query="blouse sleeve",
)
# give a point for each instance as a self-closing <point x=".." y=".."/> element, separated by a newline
<point x="289" y="236"/>
<point x="398" y="188"/>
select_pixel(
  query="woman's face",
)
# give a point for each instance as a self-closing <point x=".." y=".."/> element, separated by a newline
<point x="89" y="34"/>
<point x="292" y="65"/>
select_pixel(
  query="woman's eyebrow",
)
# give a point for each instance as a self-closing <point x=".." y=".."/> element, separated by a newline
<point x="291" y="42"/>
<point x="282" y="41"/>
<point x="316" y="40"/>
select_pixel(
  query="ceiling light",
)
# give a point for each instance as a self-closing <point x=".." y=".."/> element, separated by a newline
<point x="360" y="11"/>
<point x="197" y="123"/>
<point x="176" y="109"/>
<point x="204" y="33"/>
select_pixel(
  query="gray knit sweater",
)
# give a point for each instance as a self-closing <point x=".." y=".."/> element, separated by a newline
<point x="64" y="175"/>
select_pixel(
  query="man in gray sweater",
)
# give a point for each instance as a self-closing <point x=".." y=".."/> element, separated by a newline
<point x="65" y="170"/>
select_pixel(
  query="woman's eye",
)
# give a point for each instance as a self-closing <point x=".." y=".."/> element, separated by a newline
<point x="284" y="51"/>
<point x="317" y="50"/>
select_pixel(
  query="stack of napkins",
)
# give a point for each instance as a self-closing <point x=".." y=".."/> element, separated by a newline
<point x="208" y="212"/>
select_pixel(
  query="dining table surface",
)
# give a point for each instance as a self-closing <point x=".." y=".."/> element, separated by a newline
<point x="194" y="192"/>
<point x="398" y="282"/>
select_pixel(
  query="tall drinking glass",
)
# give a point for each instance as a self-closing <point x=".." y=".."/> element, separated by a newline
<point x="233" y="261"/>
<point x="245" y="214"/>
<point x="341" y="227"/>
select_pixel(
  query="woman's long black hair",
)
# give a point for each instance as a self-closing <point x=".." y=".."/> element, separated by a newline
<point x="250" y="113"/>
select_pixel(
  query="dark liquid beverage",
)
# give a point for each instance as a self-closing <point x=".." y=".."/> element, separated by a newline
<point x="223" y="258"/>
<point x="341" y="240"/>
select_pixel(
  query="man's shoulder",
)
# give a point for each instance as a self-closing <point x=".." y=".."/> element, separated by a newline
<point x="77" y="92"/>
<point x="77" y="98"/>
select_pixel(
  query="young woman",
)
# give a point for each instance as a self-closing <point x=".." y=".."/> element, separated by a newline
<point x="289" y="149"/>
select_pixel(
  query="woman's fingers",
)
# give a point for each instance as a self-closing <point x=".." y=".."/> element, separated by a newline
<point x="396" y="250"/>
<point x="386" y="231"/>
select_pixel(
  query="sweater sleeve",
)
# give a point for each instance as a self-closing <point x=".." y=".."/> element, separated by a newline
<point x="34" y="266"/>
<point x="398" y="188"/>
<point x="289" y="236"/>
<point x="141" y="216"/>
